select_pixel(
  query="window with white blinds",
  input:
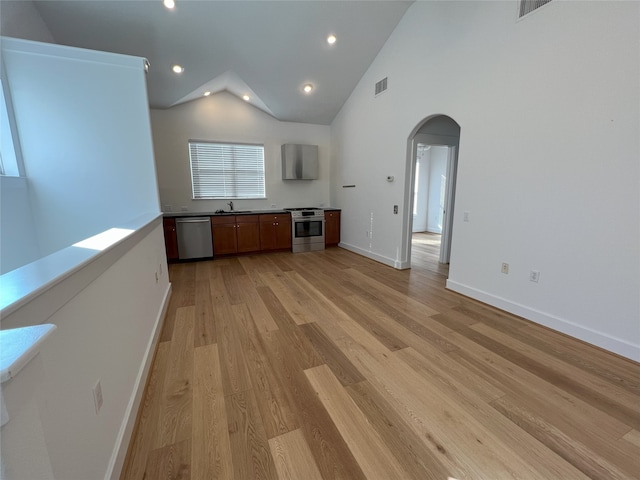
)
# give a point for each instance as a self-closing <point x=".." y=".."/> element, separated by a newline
<point x="226" y="170"/>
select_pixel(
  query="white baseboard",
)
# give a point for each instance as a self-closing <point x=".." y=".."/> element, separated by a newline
<point x="366" y="253"/>
<point x="602" y="340"/>
<point x="119" y="454"/>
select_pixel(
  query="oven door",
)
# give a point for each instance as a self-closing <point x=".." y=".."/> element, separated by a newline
<point x="307" y="234"/>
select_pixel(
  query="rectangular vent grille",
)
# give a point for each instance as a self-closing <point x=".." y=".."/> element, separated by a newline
<point x="381" y="86"/>
<point x="528" y="6"/>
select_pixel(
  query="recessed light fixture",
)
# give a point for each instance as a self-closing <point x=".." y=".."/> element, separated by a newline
<point x="207" y="93"/>
<point x="307" y="88"/>
<point x="331" y="39"/>
<point x="177" y="69"/>
<point x="246" y="97"/>
<point x="170" y="4"/>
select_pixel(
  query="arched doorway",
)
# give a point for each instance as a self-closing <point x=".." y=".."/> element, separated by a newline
<point x="432" y="161"/>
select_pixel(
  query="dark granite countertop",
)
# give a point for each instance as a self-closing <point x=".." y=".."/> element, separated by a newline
<point x="214" y="214"/>
<point x="239" y="212"/>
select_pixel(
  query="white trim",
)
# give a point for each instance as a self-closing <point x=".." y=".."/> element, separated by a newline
<point x="9" y="44"/>
<point x="602" y="340"/>
<point x="118" y="456"/>
<point x="369" y="254"/>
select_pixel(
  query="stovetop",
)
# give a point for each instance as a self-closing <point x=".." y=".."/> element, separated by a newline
<point x="306" y="212"/>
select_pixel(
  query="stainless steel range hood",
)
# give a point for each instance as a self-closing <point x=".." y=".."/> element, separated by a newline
<point x="299" y="162"/>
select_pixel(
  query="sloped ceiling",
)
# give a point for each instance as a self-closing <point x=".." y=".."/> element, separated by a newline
<point x="266" y="49"/>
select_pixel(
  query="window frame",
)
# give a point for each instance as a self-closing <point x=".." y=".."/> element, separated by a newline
<point x="227" y="194"/>
<point x="11" y="164"/>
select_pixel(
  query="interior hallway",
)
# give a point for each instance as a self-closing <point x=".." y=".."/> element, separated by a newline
<point x="425" y="251"/>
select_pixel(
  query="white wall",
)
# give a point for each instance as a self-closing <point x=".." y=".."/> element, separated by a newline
<point x="224" y="117"/>
<point x="107" y="332"/>
<point x="21" y="19"/>
<point x="83" y="123"/>
<point x="18" y="241"/>
<point x="18" y="237"/>
<point x="548" y="162"/>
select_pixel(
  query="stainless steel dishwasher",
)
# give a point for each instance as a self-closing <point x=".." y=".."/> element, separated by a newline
<point x="194" y="237"/>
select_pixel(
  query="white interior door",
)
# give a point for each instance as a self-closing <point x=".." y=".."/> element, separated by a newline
<point x="445" y="241"/>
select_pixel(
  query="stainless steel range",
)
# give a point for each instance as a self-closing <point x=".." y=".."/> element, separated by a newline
<point x="307" y="229"/>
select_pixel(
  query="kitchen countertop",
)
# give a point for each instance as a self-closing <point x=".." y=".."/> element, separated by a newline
<point x="214" y="214"/>
<point x="240" y="212"/>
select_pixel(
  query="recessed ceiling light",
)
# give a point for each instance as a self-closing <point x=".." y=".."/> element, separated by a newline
<point x="207" y="93"/>
<point x="246" y="98"/>
<point x="331" y="39"/>
<point x="177" y="69"/>
<point x="307" y="88"/>
<point x="170" y="4"/>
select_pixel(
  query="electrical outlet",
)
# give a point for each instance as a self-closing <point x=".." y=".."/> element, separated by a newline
<point x="465" y="216"/>
<point x="534" y="276"/>
<point x="395" y="209"/>
<point x="97" y="396"/>
<point x="505" y="268"/>
<point x="156" y="277"/>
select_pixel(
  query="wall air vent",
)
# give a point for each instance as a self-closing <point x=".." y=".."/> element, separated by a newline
<point x="381" y="86"/>
<point x="528" y="6"/>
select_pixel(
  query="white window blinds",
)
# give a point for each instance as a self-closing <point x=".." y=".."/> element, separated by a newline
<point x="226" y="170"/>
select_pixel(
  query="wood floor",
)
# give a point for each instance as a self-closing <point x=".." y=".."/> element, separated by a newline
<point x="327" y="365"/>
<point x="425" y="253"/>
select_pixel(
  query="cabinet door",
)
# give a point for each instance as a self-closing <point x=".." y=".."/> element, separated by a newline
<point x="267" y="232"/>
<point x="248" y="233"/>
<point x="223" y="230"/>
<point x="283" y="232"/>
<point x="170" y="238"/>
<point x="332" y="228"/>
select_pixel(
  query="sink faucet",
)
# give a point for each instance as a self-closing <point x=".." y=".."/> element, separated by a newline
<point x="230" y="205"/>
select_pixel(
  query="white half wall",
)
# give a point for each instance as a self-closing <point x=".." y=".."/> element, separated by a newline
<point x="548" y="162"/>
<point x="224" y="117"/>
<point x="107" y="332"/>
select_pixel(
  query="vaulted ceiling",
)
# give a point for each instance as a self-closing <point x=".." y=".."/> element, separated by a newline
<point x="265" y="49"/>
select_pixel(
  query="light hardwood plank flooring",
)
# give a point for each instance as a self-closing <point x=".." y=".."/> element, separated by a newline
<point x="327" y="365"/>
<point x="425" y="252"/>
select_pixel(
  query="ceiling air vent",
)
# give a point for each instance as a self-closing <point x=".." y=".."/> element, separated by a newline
<point x="381" y="86"/>
<point x="528" y="6"/>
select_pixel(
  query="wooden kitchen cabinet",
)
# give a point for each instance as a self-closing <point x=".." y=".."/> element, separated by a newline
<point x="248" y="233"/>
<point x="170" y="238"/>
<point x="331" y="227"/>
<point x="235" y="234"/>
<point x="275" y="232"/>
<point x="223" y="231"/>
